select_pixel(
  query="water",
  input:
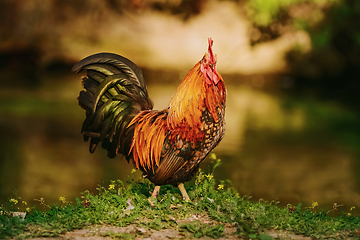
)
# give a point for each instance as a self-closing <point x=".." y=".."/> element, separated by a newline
<point x="275" y="149"/>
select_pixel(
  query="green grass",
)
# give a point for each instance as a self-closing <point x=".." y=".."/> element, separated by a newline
<point x="120" y="204"/>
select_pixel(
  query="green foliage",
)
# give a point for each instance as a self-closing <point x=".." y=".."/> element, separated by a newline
<point x="265" y="12"/>
<point x="262" y="13"/>
<point x="200" y="229"/>
<point x="120" y="204"/>
<point x="339" y="21"/>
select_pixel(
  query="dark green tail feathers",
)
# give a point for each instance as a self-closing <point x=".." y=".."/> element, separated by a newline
<point x="115" y="91"/>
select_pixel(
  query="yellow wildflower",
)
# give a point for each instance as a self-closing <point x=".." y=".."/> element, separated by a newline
<point x="352" y="208"/>
<point x="62" y="199"/>
<point x="133" y="170"/>
<point x="220" y="186"/>
<point x="209" y="176"/>
<point x="23" y="202"/>
<point x="27" y="209"/>
<point x="14" y="201"/>
<point x="314" y="204"/>
<point x="213" y="156"/>
<point x="111" y="186"/>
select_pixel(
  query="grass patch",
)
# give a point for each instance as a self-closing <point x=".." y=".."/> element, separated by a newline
<point x="200" y="229"/>
<point x="122" y="204"/>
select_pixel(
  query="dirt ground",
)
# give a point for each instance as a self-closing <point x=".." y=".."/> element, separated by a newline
<point x="102" y="232"/>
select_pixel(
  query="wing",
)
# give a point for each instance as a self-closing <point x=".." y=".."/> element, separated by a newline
<point x="175" y="156"/>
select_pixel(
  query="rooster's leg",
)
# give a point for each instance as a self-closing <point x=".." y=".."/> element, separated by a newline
<point x="156" y="191"/>
<point x="183" y="192"/>
<point x="154" y="194"/>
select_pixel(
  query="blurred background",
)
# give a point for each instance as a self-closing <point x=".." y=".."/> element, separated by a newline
<point x="290" y="66"/>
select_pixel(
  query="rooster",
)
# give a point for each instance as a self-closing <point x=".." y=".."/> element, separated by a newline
<point x="167" y="145"/>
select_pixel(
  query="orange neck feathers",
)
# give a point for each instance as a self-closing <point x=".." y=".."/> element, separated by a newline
<point x="186" y="105"/>
<point x="195" y="93"/>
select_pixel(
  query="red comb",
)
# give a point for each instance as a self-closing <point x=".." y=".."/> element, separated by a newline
<point x="208" y="66"/>
<point x="210" y="57"/>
